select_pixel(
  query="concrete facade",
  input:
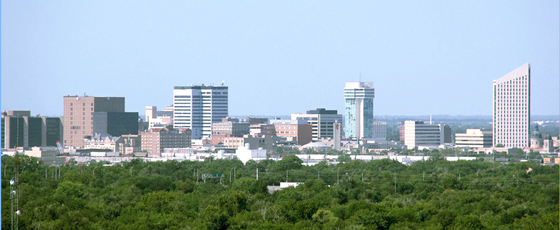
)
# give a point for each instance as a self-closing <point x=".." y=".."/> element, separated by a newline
<point x="78" y="116"/>
<point x="474" y="138"/>
<point x="321" y="121"/>
<point x="416" y="133"/>
<point x="512" y="108"/>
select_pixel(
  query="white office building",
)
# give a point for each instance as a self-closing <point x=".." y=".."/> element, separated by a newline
<point x="358" y="98"/>
<point x="474" y="138"/>
<point x="197" y="107"/>
<point x="512" y="108"/>
<point x="416" y="133"/>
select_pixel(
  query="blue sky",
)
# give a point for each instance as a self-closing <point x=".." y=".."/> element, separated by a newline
<point x="278" y="57"/>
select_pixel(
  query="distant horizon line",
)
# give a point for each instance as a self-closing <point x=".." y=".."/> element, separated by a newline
<point x="381" y="115"/>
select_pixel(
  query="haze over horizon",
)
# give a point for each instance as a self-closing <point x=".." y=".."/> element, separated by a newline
<point x="424" y="58"/>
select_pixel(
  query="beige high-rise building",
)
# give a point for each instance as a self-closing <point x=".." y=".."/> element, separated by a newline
<point x="512" y="108"/>
<point x="78" y="116"/>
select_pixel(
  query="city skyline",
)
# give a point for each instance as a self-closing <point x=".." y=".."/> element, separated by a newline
<point x="279" y="59"/>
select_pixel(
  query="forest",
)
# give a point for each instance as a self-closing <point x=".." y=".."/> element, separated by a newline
<point x="225" y="194"/>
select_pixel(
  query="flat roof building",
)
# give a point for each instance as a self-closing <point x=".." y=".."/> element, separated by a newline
<point x="380" y="131"/>
<point x="293" y="130"/>
<point x="197" y="107"/>
<point x="321" y="121"/>
<point x="228" y="128"/>
<point x="512" y="108"/>
<point x="155" y="140"/>
<point x="115" y="123"/>
<point x="78" y="116"/>
<point x="416" y="133"/>
<point x="358" y="122"/>
<point x="474" y="138"/>
<point x="19" y="129"/>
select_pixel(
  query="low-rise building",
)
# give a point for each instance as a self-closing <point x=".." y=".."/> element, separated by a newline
<point x="474" y="138"/>
<point x="128" y="144"/>
<point x="417" y="133"/>
<point x="541" y="143"/>
<point x="159" y="119"/>
<point x="101" y="141"/>
<point x="380" y="130"/>
<point x="49" y="155"/>
<point x="265" y="142"/>
<point x="297" y="130"/>
<point x="229" y="127"/>
<point x="322" y="122"/>
<point x="155" y="140"/>
<point x="245" y="153"/>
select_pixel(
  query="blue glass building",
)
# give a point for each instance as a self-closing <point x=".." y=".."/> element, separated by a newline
<point x="359" y="110"/>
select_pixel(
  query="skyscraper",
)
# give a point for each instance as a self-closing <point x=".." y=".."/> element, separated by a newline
<point x="78" y="116"/>
<point x="197" y="107"/>
<point x="512" y="108"/>
<point x="359" y="110"/>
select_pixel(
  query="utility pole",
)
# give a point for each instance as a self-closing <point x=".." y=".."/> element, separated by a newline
<point x="234" y="173"/>
<point x="286" y="175"/>
<point x="395" y="181"/>
<point x="257" y="173"/>
<point x="423" y="174"/>
<point x="337" y="176"/>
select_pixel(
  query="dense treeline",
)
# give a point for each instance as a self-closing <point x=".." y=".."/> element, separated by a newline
<point x="380" y="194"/>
